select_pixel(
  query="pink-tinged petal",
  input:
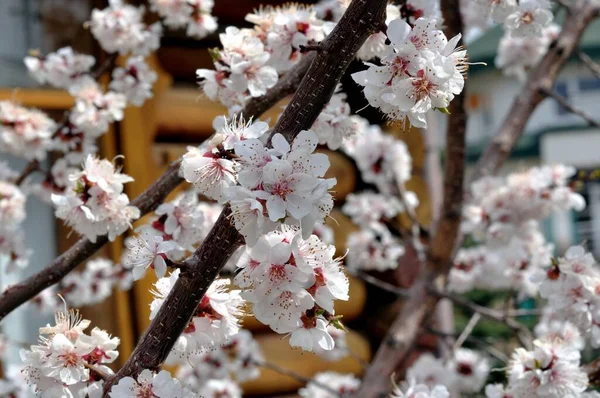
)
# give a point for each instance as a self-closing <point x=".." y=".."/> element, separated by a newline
<point x="138" y="272"/>
<point x="280" y="253"/>
<point x="280" y="144"/>
<point x="160" y="266"/>
<point x="276" y="171"/>
<point x="306" y="140"/>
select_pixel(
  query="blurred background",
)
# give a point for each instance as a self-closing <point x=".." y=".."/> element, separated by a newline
<point x="157" y="133"/>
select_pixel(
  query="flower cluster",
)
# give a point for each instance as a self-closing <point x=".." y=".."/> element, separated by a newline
<point x="66" y="361"/>
<point x="572" y="285"/>
<point x="24" y="132"/>
<point x="503" y="217"/>
<point x="12" y="240"/>
<point x="120" y="28"/>
<point x="421" y="71"/>
<point x="465" y="372"/>
<point x="194" y="15"/>
<point x="518" y="55"/>
<point x="61" y="69"/>
<point x="292" y="284"/>
<point x="237" y="359"/>
<point x="95" y="283"/>
<point x="216" y="319"/>
<point x="135" y="80"/>
<point x="94" y="203"/>
<point x="282" y="183"/>
<point x="550" y="370"/>
<point x="334" y="124"/>
<point x="414" y="390"/>
<point x="330" y="385"/>
<point x="252" y="59"/>
<point x="149" y="384"/>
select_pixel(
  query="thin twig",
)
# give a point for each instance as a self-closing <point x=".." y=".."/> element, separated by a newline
<point x="565" y="104"/>
<point x="521" y="332"/>
<point x="592" y="65"/>
<point x="416" y="227"/>
<point x="481" y="343"/>
<point x="467" y="331"/>
<point x="383" y="285"/>
<point x="29" y="169"/>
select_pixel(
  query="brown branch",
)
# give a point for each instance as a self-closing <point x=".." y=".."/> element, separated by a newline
<point x="315" y="90"/>
<point x="593" y="371"/>
<point x="565" y="104"/>
<point x="541" y="78"/>
<point x="29" y="169"/>
<point x="592" y="65"/>
<point x="420" y="305"/>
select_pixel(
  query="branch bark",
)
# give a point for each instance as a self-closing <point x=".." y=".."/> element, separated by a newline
<point x="565" y="104"/>
<point x="362" y="18"/>
<point x="154" y="195"/>
<point x="541" y="79"/>
<point x="401" y="336"/>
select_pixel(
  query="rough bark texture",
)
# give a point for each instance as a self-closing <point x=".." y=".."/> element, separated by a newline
<point x="541" y="79"/>
<point x="420" y="305"/>
<point x="335" y="53"/>
<point x="149" y="200"/>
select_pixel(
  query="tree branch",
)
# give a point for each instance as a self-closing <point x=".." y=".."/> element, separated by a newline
<point x="541" y="78"/>
<point x="338" y="50"/>
<point x="154" y="195"/>
<point x="593" y="371"/>
<point x="565" y="104"/>
<point x="593" y="66"/>
<point x="29" y="169"/>
<point x="420" y="305"/>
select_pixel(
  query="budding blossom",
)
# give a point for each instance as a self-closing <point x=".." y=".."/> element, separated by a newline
<point x="216" y="319"/>
<point x="421" y="72"/>
<point x="337" y="385"/>
<point x="13" y="251"/>
<point x="61" y="69"/>
<point x="135" y="80"/>
<point x="24" y="132"/>
<point x="120" y="28"/>
<point x="59" y="365"/>
<point x="94" y="203"/>
<point x="292" y="284"/>
<point x="529" y="18"/>
<point x="195" y="15"/>
<point x="237" y="359"/>
<point x="149" y="384"/>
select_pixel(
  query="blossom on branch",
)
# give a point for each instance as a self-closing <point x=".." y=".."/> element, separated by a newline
<point x="195" y="15"/>
<point x="135" y="81"/>
<point x="24" y="132"/>
<point x="61" y="69"/>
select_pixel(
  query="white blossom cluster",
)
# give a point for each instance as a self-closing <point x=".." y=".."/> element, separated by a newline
<point x="12" y="239"/>
<point x="283" y="183"/>
<point x="94" y="203"/>
<point x="59" y="366"/>
<point x="464" y="373"/>
<point x="519" y="18"/>
<point x="518" y="55"/>
<point x="24" y="132"/>
<point x="572" y="286"/>
<point x="385" y="162"/>
<point x="236" y="361"/>
<point x="411" y="389"/>
<point x="550" y="370"/>
<point x="120" y="28"/>
<point x="194" y="15"/>
<point x="336" y="385"/>
<point x="61" y="69"/>
<point x="216" y="319"/>
<point x="292" y="284"/>
<point x="150" y="384"/>
<point x="135" y="80"/>
<point x="252" y="59"/>
<point x="421" y="72"/>
<point x="503" y="217"/>
<point x="334" y="124"/>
